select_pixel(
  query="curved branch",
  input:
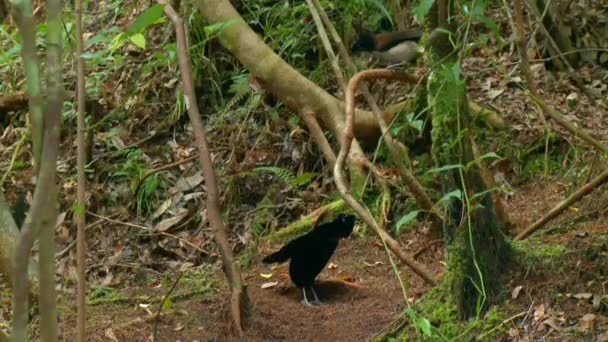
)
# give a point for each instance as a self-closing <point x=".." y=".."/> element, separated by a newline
<point x="341" y="184"/>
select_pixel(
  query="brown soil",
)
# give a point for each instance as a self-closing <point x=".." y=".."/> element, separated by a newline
<point x="359" y="291"/>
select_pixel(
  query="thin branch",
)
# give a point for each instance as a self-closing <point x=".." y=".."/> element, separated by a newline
<point x="327" y="45"/>
<point x="580" y="193"/>
<point x="162" y="304"/>
<point x="316" y="133"/>
<point x="81" y="160"/>
<point x="150" y="231"/>
<point x="239" y="301"/>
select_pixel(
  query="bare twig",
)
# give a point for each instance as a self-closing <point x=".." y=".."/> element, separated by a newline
<point x="71" y="245"/>
<point x="239" y="301"/>
<point x="425" y="247"/>
<point x="316" y="133"/>
<point x="580" y="193"/>
<point x="327" y="45"/>
<point x="149" y="231"/>
<point x="81" y="160"/>
<point x="363" y="212"/>
<point x="162" y="303"/>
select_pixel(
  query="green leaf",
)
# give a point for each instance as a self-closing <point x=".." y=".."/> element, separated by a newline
<point x="490" y="24"/>
<point x="92" y="55"/>
<point x="424" y="325"/>
<point x="216" y="28"/>
<point x="78" y="209"/>
<point x="149" y="17"/>
<point x="481" y="194"/>
<point x="445" y="168"/>
<point x="489" y="155"/>
<point x="382" y="9"/>
<point x="138" y="40"/>
<point x="118" y="41"/>
<point x="456" y="71"/>
<point x="406" y="219"/>
<point x="422" y="9"/>
<point x="452" y="194"/>
<point x="302" y="179"/>
<point x="168" y="304"/>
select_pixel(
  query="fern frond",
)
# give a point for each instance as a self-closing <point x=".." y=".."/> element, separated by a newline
<point x="282" y="173"/>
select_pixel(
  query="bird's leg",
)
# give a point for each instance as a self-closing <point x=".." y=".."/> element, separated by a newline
<point x="317" y="301"/>
<point x="305" y="300"/>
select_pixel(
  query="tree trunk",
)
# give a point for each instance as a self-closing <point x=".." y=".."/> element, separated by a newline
<point x="8" y="240"/>
<point x="477" y="250"/>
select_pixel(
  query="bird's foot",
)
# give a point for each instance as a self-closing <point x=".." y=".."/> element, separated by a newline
<point x="307" y="303"/>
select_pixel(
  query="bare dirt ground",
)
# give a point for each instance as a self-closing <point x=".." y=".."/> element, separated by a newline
<point x="359" y="290"/>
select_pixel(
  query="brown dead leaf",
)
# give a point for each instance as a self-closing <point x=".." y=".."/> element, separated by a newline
<point x="584" y="295"/>
<point x="586" y="323"/>
<point x="539" y="312"/>
<point x="332" y="266"/>
<point x="110" y="334"/>
<point x="553" y="323"/>
<point x="167" y="223"/>
<point x="515" y="292"/>
<point x="492" y="94"/>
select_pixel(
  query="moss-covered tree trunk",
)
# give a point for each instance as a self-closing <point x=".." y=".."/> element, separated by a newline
<point x="477" y="251"/>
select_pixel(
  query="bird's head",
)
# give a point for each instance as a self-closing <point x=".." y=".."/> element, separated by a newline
<point x="344" y="225"/>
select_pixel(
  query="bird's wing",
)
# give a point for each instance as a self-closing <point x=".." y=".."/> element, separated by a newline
<point x="286" y="252"/>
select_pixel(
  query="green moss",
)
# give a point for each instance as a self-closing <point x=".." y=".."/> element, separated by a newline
<point x="533" y="253"/>
<point x="302" y="226"/>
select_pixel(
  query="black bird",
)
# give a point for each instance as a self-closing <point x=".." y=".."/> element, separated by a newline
<point x="311" y="252"/>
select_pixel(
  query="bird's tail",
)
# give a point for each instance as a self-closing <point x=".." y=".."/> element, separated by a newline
<point x="276" y="257"/>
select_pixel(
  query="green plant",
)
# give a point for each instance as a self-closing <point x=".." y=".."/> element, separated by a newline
<point x="286" y="175"/>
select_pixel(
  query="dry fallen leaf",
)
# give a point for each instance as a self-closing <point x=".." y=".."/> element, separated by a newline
<point x="269" y="284"/>
<point x="515" y="292"/>
<point x="553" y="323"/>
<point x="586" y="322"/>
<point x="110" y="334"/>
<point x="266" y="275"/>
<point x="584" y="295"/>
<point x="332" y="266"/>
<point x="539" y="312"/>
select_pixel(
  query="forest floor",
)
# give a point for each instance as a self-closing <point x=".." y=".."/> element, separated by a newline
<point x="556" y="291"/>
<point x="560" y="297"/>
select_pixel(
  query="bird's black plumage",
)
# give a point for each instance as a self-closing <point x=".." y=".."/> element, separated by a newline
<point x="309" y="253"/>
